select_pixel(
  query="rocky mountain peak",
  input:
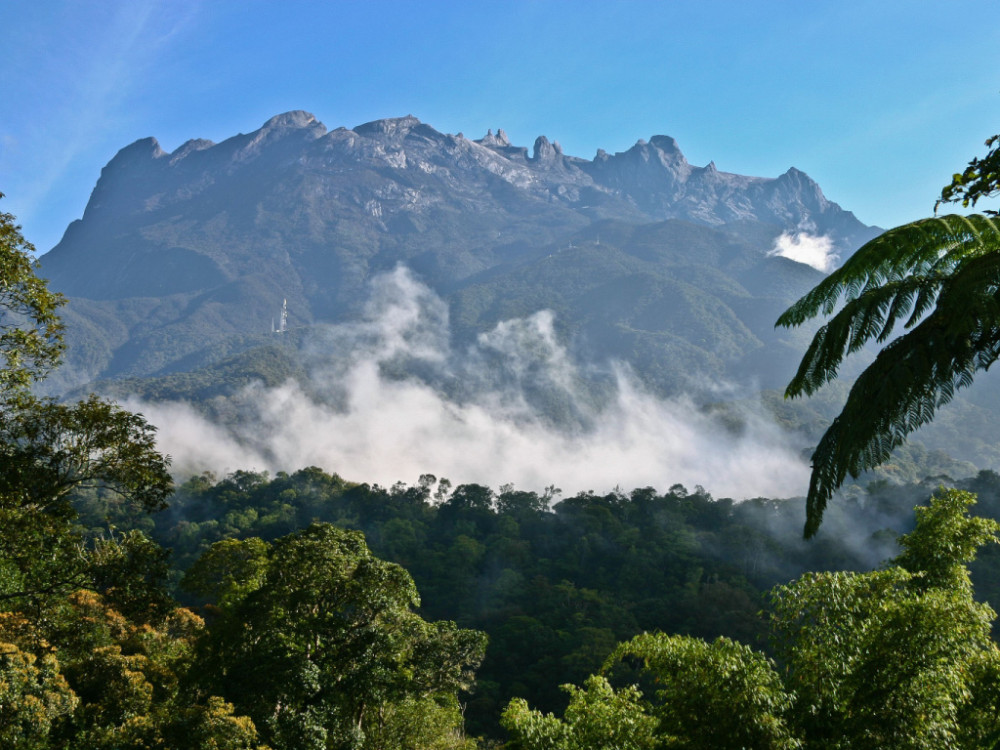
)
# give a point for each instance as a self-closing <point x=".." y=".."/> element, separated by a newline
<point x="544" y="151"/>
<point x="190" y="147"/>
<point x="500" y="140"/>
<point x="667" y="145"/>
<point x="141" y="150"/>
<point x="392" y="126"/>
<point x="295" y="119"/>
<point x="802" y="186"/>
<point x="137" y="160"/>
<point x="399" y="182"/>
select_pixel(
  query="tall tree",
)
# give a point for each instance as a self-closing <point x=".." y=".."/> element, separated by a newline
<point x="49" y="449"/>
<point x="318" y="643"/>
<point x="93" y="653"/>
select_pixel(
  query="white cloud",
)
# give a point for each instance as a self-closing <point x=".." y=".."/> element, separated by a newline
<point x="358" y="419"/>
<point x="807" y="248"/>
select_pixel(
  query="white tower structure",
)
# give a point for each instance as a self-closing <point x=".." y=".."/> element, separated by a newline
<point x="283" y="320"/>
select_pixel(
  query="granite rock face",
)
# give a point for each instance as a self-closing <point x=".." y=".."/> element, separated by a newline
<point x="181" y="249"/>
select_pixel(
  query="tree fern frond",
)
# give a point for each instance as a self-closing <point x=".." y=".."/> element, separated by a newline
<point x="870" y="316"/>
<point x="899" y="392"/>
<point x="912" y="249"/>
<point x="943" y="276"/>
<point x="926" y="297"/>
<point x="900" y="305"/>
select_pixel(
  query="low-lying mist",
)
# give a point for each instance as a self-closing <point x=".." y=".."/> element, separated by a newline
<point x="390" y="397"/>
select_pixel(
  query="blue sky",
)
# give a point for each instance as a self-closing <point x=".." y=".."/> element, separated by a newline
<point x="879" y="101"/>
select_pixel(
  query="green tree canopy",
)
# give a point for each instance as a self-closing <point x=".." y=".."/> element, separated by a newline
<point x="318" y="642"/>
<point x="895" y="659"/>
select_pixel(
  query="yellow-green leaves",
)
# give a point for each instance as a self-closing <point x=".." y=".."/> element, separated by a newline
<point x="33" y="695"/>
<point x="597" y="718"/>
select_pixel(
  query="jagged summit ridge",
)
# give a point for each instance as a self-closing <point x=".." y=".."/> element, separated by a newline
<point x="297" y="118"/>
<point x="351" y="201"/>
<point x="184" y="256"/>
<point x="652" y="179"/>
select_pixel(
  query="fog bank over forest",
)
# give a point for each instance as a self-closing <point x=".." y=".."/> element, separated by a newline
<point x="389" y="398"/>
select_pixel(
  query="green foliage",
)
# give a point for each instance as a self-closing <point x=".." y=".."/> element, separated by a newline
<point x="899" y="658"/>
<point x="49" y="449"/>
<point x="132" y="570"/>
<point x="318" y="642"/>
<point x="710" y="695"/>
<point x="597" y="718"/>
<point x="555" y="584"/>
<point x="980" y="179"/>
<point x="945" y="541"/>
<point x="229" y="570"/>
<point x="40" y="557"/>
<point x="896" y="658"/>
<point x="30" y="330"/>
<point x="935" y="277"/>
<point x="268" y="364"/>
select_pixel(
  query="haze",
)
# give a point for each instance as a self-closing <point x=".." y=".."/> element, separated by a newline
<point x="368" y="426"/>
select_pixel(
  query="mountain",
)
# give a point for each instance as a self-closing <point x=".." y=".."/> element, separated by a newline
<point x="184" y="259"/>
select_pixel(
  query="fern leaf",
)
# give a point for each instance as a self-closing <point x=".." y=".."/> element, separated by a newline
<point x="944" y="274"/>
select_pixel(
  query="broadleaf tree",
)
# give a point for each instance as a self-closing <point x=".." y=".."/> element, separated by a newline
<point x="48" y="449"/>
<point x="317" y="641"/>
<point x="93" y="652"/>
